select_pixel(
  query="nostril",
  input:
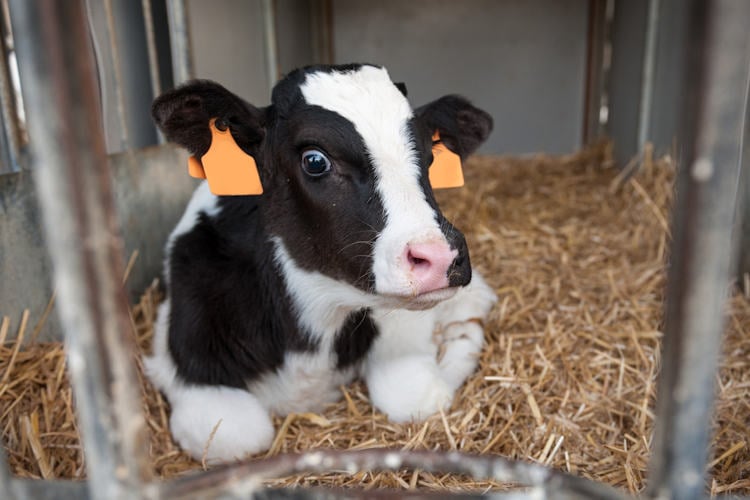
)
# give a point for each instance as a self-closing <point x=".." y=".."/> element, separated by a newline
<point x="417" y="261"/>
<point x="459" y="261"/>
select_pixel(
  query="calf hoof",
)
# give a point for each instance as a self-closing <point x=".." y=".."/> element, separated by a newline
<point x="409" y="388"/>
<point x="219" y="424"/>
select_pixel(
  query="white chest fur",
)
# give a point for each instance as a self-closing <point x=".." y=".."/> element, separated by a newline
<point x="306" y="382"/>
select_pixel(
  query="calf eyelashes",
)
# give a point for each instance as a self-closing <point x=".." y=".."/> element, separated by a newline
<point x="232" y="172"/>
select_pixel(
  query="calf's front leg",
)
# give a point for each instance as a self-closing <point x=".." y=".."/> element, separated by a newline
<point x="422" y="357"/>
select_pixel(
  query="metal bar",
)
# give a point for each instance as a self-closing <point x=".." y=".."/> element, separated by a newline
<point x="698" y="275"/>
<point x="117" y="80"/>
<point x="243" y="479"/>
<point x="11" y="140"/>
<point x="594" y="87"/>
<point x="647" y="76"/>
<point x="742" y="226"/>
<point x="75" y="194"/>
<point x="268" y="8"/>
<point x="153" y="56"/>
<point x="179" y="40"/>
<point x="321" y="31"/>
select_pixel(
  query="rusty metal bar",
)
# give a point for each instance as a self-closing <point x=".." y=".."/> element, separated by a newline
<point x="75" y="194"/>
<point x="242" y="480"/>
<point x="698" y="276"/>
<point x="179" y="40"/>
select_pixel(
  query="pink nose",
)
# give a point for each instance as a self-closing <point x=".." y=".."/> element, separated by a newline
<point x="429" y="263"/>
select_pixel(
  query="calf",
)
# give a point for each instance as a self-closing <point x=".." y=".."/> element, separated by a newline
<point x="343" y="267"/>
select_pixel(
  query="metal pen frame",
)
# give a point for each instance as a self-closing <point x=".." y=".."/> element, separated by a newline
<point x="74" y="192"/>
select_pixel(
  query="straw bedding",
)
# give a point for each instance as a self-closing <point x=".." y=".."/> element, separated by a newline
<point x="576" y="255"/>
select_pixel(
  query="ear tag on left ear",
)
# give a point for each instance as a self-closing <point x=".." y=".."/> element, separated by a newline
<point x="228" y="169"/>
<point x="445" y="171"/>
<point x="195" y="168"/>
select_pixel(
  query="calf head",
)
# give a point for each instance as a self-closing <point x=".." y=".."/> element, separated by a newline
<point x="344" y="162"/>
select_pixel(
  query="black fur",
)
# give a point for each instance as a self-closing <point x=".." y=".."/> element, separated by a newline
<point x="231" y="319"/>
<point x="354" y="339"/>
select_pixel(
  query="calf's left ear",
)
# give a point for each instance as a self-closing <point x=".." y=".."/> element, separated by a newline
<point x="462" y="127"/>
<point x="223" y="133"/>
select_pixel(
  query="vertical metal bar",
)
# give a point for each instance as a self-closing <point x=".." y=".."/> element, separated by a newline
<point x="321" y="31"/>
<point x="75" y="194"/>
<point x="11" y="130"/>
<point x="698" y="275"/>
<point x="594" y="87"/>
<point x="117" y="81"/>
<point x="153" y="56"/>
<point x="741" y="238"/>
<point x="647" y="77"/>
<point x="269" y="35"/>
<point x="179" y="40"/>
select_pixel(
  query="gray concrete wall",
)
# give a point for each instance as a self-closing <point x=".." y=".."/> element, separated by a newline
<point x="227" y="38"/>
<point x="523" y="61"/>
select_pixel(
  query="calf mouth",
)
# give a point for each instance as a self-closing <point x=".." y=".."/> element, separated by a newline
<point x="423" y="301"/>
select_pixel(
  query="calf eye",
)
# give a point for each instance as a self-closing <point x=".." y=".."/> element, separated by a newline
<point x="315" y="163"/>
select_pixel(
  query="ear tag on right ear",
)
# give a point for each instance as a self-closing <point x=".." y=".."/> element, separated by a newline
<point x="228" y="169"/>
<point x="445" y="171"/>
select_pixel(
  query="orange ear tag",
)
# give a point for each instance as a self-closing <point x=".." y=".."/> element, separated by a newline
<point x="195" y="168"/>
<point x="445" y="171"/>
<point x="228" y="169"/>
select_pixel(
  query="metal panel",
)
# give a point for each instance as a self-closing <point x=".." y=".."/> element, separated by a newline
<point x="647" y="83"/>
<point x="119" y="38"/>
<point x="626" y="76"/>
<point x="523" y="61"/>
<point x="149" y="202"/>
<point x="227" y="42"/>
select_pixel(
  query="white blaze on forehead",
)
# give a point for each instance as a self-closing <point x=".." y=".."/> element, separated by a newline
<point x="380" y="114"/>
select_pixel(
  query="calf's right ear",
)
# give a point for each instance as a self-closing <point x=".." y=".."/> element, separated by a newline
<point x="183" y="115"/>
<point x="222" y="132"/>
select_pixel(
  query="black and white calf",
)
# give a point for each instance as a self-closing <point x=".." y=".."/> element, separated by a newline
<point x="344" y="267"/>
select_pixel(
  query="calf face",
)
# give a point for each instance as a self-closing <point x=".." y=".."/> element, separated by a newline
<point x="344" y="163"/>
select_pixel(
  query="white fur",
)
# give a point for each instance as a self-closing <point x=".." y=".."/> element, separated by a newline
<point x="306" y="382"/>
<point x="408" y="387"/>
<point x="244" y="426"/>
<point x="380" y="113"/>
<point x="225" y="423"/>
<point x="322" y="304"/>
<point x="405" y="377"/>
